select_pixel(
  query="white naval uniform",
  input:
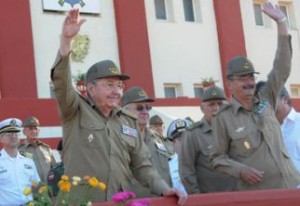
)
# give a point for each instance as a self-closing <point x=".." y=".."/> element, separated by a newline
<point x="15" y="175"/>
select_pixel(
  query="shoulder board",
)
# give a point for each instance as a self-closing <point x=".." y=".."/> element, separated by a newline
<point x="23" y="153"/>
<point x="223" y="108"/>
<point x="194" y="125"/>
<point x="128" y="113"/>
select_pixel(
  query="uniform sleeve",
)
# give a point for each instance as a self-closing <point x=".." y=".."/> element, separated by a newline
<point x="67" y="97"/>
<point x="143" y="170"/>
<point x="220" y="146"/>
<point x="187" y="161"/>
<point x="281" y="70"/>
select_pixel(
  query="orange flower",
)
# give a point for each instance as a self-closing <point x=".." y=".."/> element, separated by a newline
<point x="65" y="178"/>
<point x="93" y="182"/>
<point x="102" y="186"/>
<point x="64" y="186"/>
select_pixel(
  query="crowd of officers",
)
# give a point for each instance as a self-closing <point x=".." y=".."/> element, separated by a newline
<point x="237" y="145"/>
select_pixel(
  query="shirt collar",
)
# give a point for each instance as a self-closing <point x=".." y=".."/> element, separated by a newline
<point x="291" y="116"/>
<point x="206" y="128"/>
<point x="236" y="105"/>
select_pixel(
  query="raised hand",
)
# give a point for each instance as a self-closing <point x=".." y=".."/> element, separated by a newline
<point x="272" y="11"/>
<point x="72" y="24"/>
<point x="71" y="27"/>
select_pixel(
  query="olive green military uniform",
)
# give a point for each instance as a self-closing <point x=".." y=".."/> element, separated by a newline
<point x="110" y="149"/>
<point x="159" y="153"/>
<point x="244" y="138"/>
<point x="195" y="171"/>
<point x="41" y="154"/>
<point x="168" y="144"/>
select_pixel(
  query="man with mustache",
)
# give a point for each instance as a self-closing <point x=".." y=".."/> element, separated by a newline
<point x="247" y="139"/>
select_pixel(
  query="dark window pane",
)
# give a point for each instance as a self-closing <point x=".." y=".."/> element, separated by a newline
<point x="160" y="9"/>
<point x="170" y="92"/>
<point x="188" y="10"/>
<point x="258" y="15"/>
<point x="198" y="91"/>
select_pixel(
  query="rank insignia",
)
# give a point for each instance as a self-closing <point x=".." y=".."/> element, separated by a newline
<point x="246" y="145"/>
<point x="90" y="138"/>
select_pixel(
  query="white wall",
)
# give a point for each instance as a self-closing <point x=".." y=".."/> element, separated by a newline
<point x="183" y="52"/>
<point x="261" y="42"/>
<point x="46" y="28"/>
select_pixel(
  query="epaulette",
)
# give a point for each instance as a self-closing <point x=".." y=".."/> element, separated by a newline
<point x="23" y="153"/>
<point x="222" y="108"/>
<point x="127" y="113"/>
<point x="194" y="125"/>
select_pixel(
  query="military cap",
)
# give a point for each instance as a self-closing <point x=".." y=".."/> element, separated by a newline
<point x="135" y="94"/>
<point x="213" y="93"/>
<point x="239" y="66"/>
<point x="31" y="121"/>
<point x="104" y="69"/>
<point x="156" y="120"/>
<point x="176" y="127"/>
<point x="10" y="125"/>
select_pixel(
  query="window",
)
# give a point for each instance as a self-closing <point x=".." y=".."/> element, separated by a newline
<point x="192" y="10"/>
<point x="164" y="9"/>
<point x="172" y="90"/>
<point x="258" y="14"/>
<point x="295" y="90"/>
<point x="198" y="89"/>
<point x="188" y="7"/>
<point x="160" y="9"/>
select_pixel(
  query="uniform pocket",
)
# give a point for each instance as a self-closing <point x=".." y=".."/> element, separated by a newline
<point x="92" y="134"/>
<point x="242" y="144"/>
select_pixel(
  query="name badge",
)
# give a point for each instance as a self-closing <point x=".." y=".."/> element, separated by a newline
<point x="129" y="131"/>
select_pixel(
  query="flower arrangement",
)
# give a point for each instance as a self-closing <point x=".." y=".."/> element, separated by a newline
<point x="75" y="191"/>
<point x="79" y="80"/>
<point x="208" y="82"/>
<point x="125" y="199"/>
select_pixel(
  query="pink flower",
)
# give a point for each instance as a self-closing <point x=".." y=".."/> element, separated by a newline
<point x="139" y="202"/>
<point x="122" y="196"/>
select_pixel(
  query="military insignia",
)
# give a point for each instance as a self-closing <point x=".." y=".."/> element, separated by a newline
<point x="262" y="106"/>
<point x="90" y="138"/>
<point x="246" y="65"/>
<point x="13" y="123"/>
<point x="72" y="2"/>
<point x="180" y="124"/>
<point x="27" y="166"/>
<point x="214" y="93"/>
<point x="129" y="131"/>
<point x="246" y="145"/>
<point x="114" y="70"/>
<point x="240" y="129"/>
<point x="142" y="93"/>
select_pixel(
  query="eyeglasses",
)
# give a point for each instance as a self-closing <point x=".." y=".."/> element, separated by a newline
<point x="244" y="78"/>
<point x="141" y="107"/>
